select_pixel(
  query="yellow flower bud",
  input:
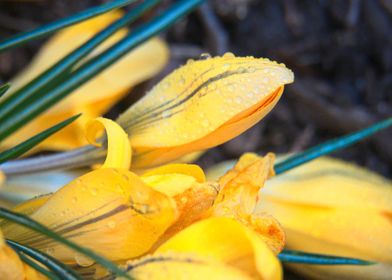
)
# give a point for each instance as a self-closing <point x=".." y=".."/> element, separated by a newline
<point x="202" y="104"/>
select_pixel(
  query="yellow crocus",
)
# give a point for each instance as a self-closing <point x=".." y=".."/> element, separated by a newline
<point x="215" y="248"/>
<point x="202" y="104"/>
<point x="95" y="97"/>
<point x="333" y="207"/>
<point x="11" y="266"/>
<point x="110" y="210"/>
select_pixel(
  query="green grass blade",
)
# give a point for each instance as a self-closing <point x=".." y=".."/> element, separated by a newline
<point x="38" y="267"/>
<point x="330" y="146"/>
<point x="3" y="89"/>
<point x="95" y="66"/>
<point x="35" y="226"/>
<point x="53" y="75"/>
<point x="319" y="259"/>
<point x="23" y="147"/>
<point x="48" y="29"/>
<point x="58" y="268"/>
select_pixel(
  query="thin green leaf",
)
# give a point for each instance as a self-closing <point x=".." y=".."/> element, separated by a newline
<point x="38" y="267"/>
<point x="58" y="268"/>
<point x="33" y="141"/>
<point x="319" y="259"/>
<point x="55" y="73"/>
<point x="3" y="89"/>
<point x="95" y="66"/>
<point x="48" y="29"/>
<point x="330" y="146"/>
<point x="35" y="226"/>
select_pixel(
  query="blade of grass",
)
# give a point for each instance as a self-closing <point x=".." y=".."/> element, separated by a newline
<point x="329" y="147"/>
<point x="58" y="268"/>
<point x="35" y="226"/>
<point x="43" y="101"/>
<point x="320" y="259"/>
<point x="23" y="147"/>
<point x="48" y="29"/>
<point x="38" y="267"/>
<point x="53" y="75"/>
<point x="3" y="89"/>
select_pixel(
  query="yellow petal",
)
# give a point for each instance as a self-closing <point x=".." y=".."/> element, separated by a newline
<point x="329" y="206"/>
<point x="227" y="241"/>
<point x="239" y="193"/>
<point x="119" y="152"/>
<point x="178" y="168"/>
<point x="201" y="105"/>
<point x="108" y="210"/>
<point x="96" y="96"/>
<point x="11" y="266"/>
<point x="182" y="266"/>
<point x="184" y="183"/>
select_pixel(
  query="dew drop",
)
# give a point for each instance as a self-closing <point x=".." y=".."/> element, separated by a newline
<point x="165" y="114"/>
<point x="205" y="123"/>
<point x="50" y="251"/>
<point x="250" y="94"/>
<point x="181" y="81"/>
<point x="228" y="55"/>
<point x="94" y="191"/>
<point x="230" y="88"/>
<point x="111" y="224"/>
<point x="238" y="99"/>
<point x="204" y="56"/>
<point x="83" y="260"/>
<point x="189" y="61"/>
<point x="74" y="200"/>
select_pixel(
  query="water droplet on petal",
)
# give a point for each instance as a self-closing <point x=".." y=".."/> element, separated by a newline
<point x="238" y="99"/>
<point x="111" y="224"/>
<point x="94" y="191"/>
<point x="74" y="199"/>
<point x="204" y="56"/>
<point x="205" y="123"/>
<point x="228" y="55"/>
<point x="83" y="260"/>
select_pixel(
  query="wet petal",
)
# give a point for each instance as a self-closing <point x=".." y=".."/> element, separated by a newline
<point x="110" y="211"/>
<point x="201" y="105"/>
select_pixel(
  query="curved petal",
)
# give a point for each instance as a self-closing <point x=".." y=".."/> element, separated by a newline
<point x="201" y="105"/>
<point x="227" y="241"/>
<point x="119" y="151"/>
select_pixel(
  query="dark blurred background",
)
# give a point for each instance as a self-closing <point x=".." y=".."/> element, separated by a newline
<point x="340" y="52"/>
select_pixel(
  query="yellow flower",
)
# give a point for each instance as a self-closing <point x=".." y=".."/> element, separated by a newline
<point x="12" y="268"/>
<point x="97" y="96"/>
<point x="202" y="104"/>
<point x="109" y="210"/>
<point x="215" y="248"/>
<point x="333" y="207"/>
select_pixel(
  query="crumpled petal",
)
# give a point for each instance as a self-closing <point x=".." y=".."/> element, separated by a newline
<point x="221" y="243"/>
<point x="239" y="194"/>
<point x="201" y="105"/>
<point x="185" y="184"/>
<point x="109" y="210"/>
<point x="96" y="96"/>
<point x="333" y="207"/>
